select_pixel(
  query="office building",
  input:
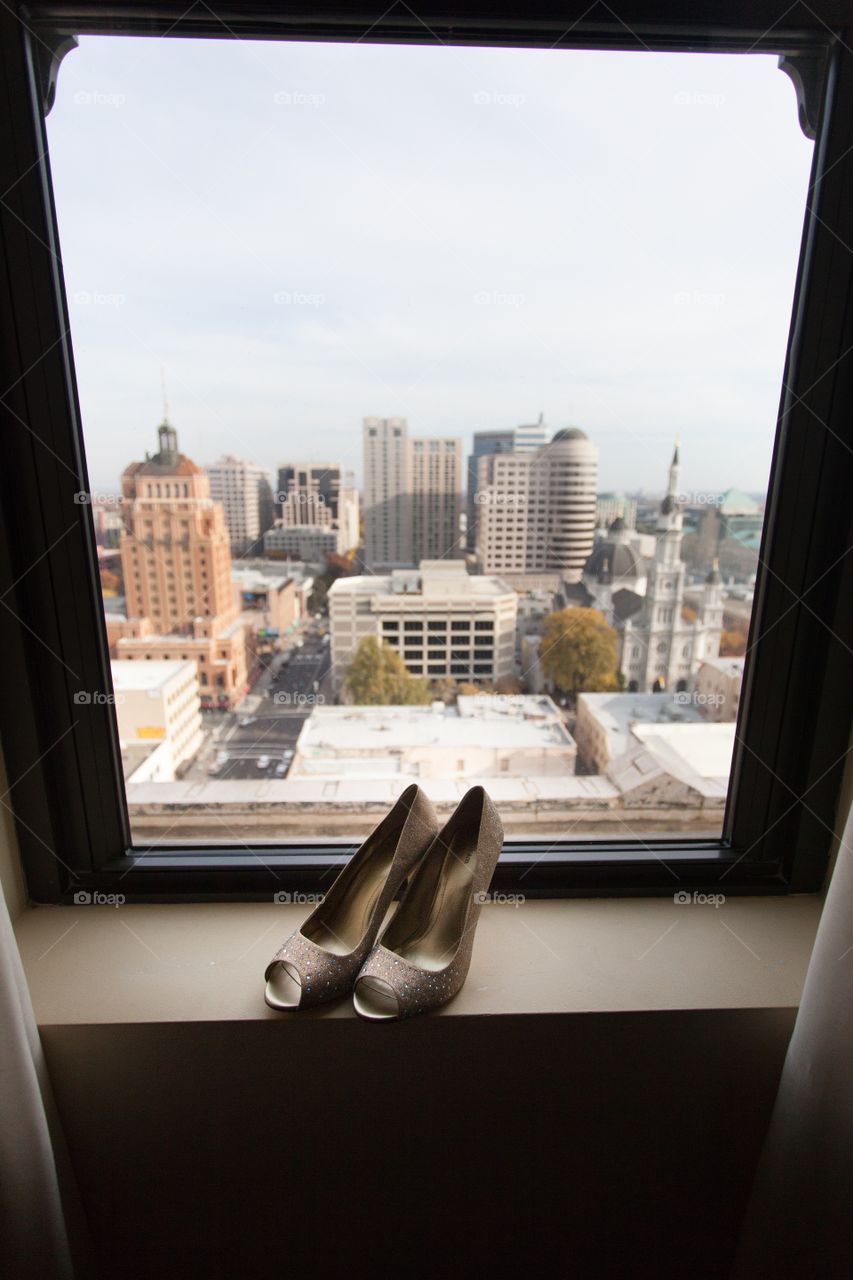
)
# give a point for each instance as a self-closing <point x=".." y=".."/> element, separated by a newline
<point x="176" y="562"/>
<point x="387" y="509"/>
<point x="312" y="497"/>
<point x="158" y="711"/>
<point x="435" y="485"/>
<point x="536" y="511"/>
<point x="238" y="486"/>
<point x="441" y="620"/>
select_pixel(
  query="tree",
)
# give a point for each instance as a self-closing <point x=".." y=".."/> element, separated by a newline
<point x="733" y="643"/>
<point x="377" y="676"/>
<point x="578" y="652"/>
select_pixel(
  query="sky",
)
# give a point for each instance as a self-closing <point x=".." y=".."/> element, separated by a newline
<point x="297" y="235"/>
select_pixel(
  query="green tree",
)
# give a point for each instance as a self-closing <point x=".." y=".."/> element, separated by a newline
<point x="377" y="676"/>
<point x="578" y="652"/>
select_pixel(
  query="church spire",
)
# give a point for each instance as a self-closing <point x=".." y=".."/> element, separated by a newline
<point x="674" y="470"/>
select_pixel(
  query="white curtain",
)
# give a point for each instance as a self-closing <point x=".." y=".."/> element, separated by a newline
<point x="37" y="1194"/>
<point x="800" y="1218"/>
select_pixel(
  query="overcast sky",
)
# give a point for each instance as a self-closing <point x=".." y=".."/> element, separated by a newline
<point x="304" y="234"/>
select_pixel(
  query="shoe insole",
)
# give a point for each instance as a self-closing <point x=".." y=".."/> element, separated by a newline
<point x="341" y="928"/>
<point x="434" y="940"/>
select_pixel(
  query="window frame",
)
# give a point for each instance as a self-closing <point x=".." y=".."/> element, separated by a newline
<point x="793" y="734"/>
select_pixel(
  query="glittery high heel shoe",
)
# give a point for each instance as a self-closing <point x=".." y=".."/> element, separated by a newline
<point x="423" y="956"/>
<point x="322" y="958"/>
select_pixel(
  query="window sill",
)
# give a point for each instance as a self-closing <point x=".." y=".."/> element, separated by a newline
<point x="204" y="962"/>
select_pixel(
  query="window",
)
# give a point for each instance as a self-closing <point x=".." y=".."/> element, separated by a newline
<point x="66" y="760"/>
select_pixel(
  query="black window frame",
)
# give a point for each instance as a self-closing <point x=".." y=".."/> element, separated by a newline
<point x="793" y="730"/>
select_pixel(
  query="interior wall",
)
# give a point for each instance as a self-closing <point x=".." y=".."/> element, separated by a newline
<point x="593" y="1145"/>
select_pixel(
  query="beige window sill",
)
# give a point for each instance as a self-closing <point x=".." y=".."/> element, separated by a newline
<point x="205" y="962"/>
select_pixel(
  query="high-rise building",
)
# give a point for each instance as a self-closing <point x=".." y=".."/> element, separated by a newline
<point x="536" y="510"/>
<point x="312" y="498"/>
<point x="176" y="562"/>
<point x="309" y="493"/>
<point x="175" y="545"/>
<point x="387" y="504"/>
<point x="530" y="436"/>
<point x="522" y="439"/>
<point x="485" y="442"/>
<point x="435" y="485"/>
<point x="238" y="486"/>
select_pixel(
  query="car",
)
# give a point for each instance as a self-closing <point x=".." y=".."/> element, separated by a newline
<point x="281" y="768"/>
<point x="245" y="721"/>
<point x="262" y="762"/>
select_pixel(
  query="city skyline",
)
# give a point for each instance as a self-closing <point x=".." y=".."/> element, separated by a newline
<point x="531" y="247"/>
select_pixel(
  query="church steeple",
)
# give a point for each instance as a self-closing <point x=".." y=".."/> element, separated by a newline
<point x="674" y="472"/>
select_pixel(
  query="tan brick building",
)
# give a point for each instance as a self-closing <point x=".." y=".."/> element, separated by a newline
<point x="176" y="561"/>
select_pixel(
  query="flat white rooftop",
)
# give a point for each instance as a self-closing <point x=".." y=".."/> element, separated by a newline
<point x="691" y="751"/>
<point x="436" y="579"/>
<point x="261" y="578"/>
<point x="518" y="723"/>
<point x="128" y="677"/>
<point x="619" y="712"/>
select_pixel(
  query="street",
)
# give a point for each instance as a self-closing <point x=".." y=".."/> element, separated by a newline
<point x="267" y="723"/>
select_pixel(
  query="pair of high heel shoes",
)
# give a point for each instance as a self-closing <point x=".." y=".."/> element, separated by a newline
<point x="423" y="956"/>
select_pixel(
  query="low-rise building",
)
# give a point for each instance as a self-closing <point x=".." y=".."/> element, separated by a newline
<point x="676" y="766"/>
<point x="490" y="736"/>
<point x="310" y="542"/>
<point x="605" y="721"/>
<point x="267" y="599"/>
<point x="717" y="687"/>
<point x="158" y="710"/>
<point x="441" y="620"/>
<point x="220" y="657"/>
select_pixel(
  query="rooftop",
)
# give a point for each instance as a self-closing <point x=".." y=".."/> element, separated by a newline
<point x="518" y="722"/>
<point x="436" y="578"/>
<point x="249" y="579"/>
<point x="131" y="676"/>
<point x="698" y="754"/>
<point x="620" y="712"/>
